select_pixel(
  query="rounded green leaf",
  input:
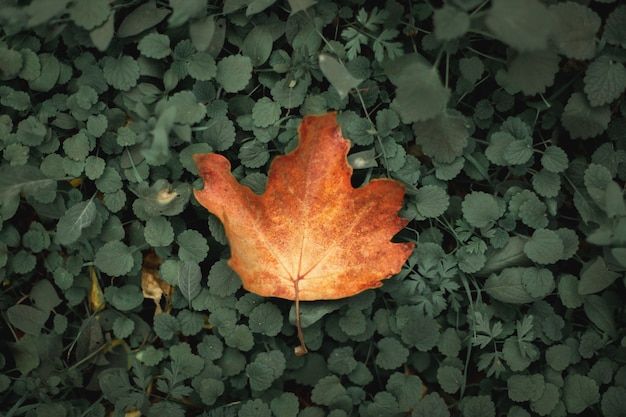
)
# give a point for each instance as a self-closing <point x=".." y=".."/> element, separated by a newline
<point x="605" y="81"/>
<point x="430" y="201"/>
<point x="234" y="72"/>
<point x="114" y="258"/>
<point x="155" y="45"/>
<point x="481" y="209"/>
<point x="579" y="392"/>
<point x="544" y="247"/>
<point x="582" y="120"/>
<point x="121" y="73"/>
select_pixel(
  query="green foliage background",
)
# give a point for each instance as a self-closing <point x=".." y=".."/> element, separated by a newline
<point x="503" y="118"/>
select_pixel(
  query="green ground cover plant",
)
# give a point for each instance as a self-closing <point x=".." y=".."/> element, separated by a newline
<point x="504" y="119"/>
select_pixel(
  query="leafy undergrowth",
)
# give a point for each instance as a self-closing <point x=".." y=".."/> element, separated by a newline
<point x="504" y="120"/>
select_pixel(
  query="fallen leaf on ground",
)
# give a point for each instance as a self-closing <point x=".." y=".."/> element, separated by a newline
<point x="311" y="235"/>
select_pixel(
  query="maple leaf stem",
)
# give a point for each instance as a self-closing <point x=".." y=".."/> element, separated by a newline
<point x="299" y="350"/>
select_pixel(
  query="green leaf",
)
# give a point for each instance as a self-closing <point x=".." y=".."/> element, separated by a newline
<point x="575" y="30"/>
<point x="155" y="45"/>
<point x="121" y="73"/>
<point x="430" y="201"/>
<point x="613" y="404"/>
<point x="189" y="277"/>
<point x="538" y="282"/>
<point x="114" y="258"/>
<point x="158" y="232"/>
<point x="450" y="23"/>
<point x="416" y="329"/>
<point x="595" y="277"/>
<point x="518" y="152"/>
<point x="50" y="72"/>
<point x="123" y="327"/>
<point x="443" y="137"/>
<point x="234" y="72"/>
<point x="544" y="247"/>
<point x="337" y="74"/>
<point x="254" y="408"/>
<point x="546" y="183"/>
<point x="201" y="32"/>
<point x="44" y="296"/>
<point x="22" y="179"/>
<point x="77" y="218"/>
<point x="299" y="5"/>
<point x="192" y="246"/>
<point x="548" y="401"/>
<point x="23" y="262"/>
<point x="523" y="388"/>
<point x="210" y="390"/>
<point x="27" y="319"/>
<point x="559" y="357"/>
<point x="450" y="378"/>
<point x="327" y="390"/>
<point x="341" y="360"/>
<point x="266" y="319"/>
<point x="124" y="298"/>
<point x="165" y="326"/>
<point x="579" y="392"/>
<point x="529" y="72"/>
<point x="614" y="31"/>
<point x="605" y="81"/>
<point x="285" y="405"/>
<point x="391" y="353"/>
<point x="89" y="14"/>
<point x="568" y="291"/>
<point x="253" y="154"/>
<point x="202" y="67"/>
<point x="481" y="209"/>
<point x="554" y="159"/>
<point x="265" y="112"/>
<point x="114" y="383"/>
<point x="507" y="286"/>
<point x="188" y="109"/>
<point x="431" y="405"/>
<point x="257" y="45"/>
<point x="582" y="120"/>
<point x="523" y="25"/>
<point x="144" y="17"/>
<point x="420" y="95"/>
<point x="532" y="212"/>
<point x="600" y="314"/>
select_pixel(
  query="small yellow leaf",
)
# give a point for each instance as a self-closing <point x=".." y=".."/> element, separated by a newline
<point x="152" y="285"/>
<point x="96" y="297"/>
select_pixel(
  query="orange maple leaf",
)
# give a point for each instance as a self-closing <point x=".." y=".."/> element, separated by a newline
<point x="311" y="235"/>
